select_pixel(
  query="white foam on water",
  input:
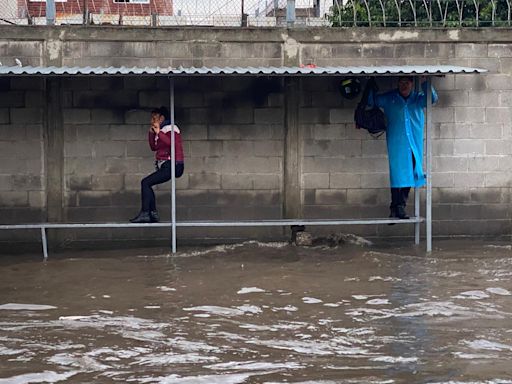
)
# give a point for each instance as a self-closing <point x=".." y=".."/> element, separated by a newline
<point x="360" y="297"/>
<point x="165" y="359"/>
<point x="470" y="356"/>
<point x="26" y="307"/>
<point x="84" y="362"/>
<point x="311" y="300"/>
<point x="488" y="345"/>
<point x="312" y="347"/>
<point x="333" y="305"/>
<point x="4" y="351"/>
<point x="387" y="278"/>
<point x="152" y="306"/>
<point x="288" y="308"/>
<point x="245" y="290"/>
<point x="246" y="308"/>
<point x="492" y="381"/>
<point x="352" y="279"/>
<point x="106" y="296"/>
<point x="166" y="289"/>
<point x="378" y="302"/>
<point x="253" y="365"/>
<point x="202" y="315"/>
<point x="40" y="377"/>
<point x="499" y="291"/>
<point x="106" y="312"/>
<point x="230" y="247"/>
<point x="509" y="247"/>
<point x="392" y="359"/>
<point x="229" y="378"/>
<point x="75" y="318"/>
<point x="473" y="295"/>
<point x="221" y="311"/>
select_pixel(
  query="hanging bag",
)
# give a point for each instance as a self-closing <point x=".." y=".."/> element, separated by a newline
<point x="370" y="118"/>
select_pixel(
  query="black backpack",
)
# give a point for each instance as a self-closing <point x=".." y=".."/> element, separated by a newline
<point x="370" y="118"/>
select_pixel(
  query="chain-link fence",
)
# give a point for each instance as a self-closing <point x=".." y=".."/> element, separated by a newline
<point x="264" y="13"/>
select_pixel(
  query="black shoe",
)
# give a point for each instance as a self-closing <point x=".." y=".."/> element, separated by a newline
<point x="154" y="216"/>
<point x="143" y="217"/>
<point x="400" y="213"/>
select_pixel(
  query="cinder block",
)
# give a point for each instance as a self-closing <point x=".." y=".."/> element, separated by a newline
<point x="452" y="98"/>
<point x="94" y="132"/>
<point x="314" y="116"/>
<point x="138" y="116"/>
<point x="471" y="50"/>
<point x="498" y="147"/>
<point x="450" y="164"/>
<point x="6" y="183"/>
<point x="483" y="164"/>
<point x="490" y="63"/>
<point x="112" y="182"/>
<point x="499" y="50"/>
<point x="137" y="149"/>
<point x="315" y="180"/>
<point x="374" y="50"/>
<point x="36" y="199"/>
<point x="14" y="199"/>
<point x="452" y="130"/>
<point x="237" y="181"/>
<point x="78" y="182"/>
<point x="85" y="166"/>
<point x="328" y="196"/>
<point x="506" y="65"/>
<point x="374" y="148"/>
<point x="469" y="114"/>
<point x="77" y="149"/>
<point x="194" y="132"/>
<point x="468" y="147"/>
<point x="204" y="180"/>
<point x="267" y="181"/>
<point x="272" y="148"/>
<point x="27" y="182"/>
<point x="442" y="180"/>
<point x="338" y="116"/>
<point x="328" y="131"/>
<point x="505" y="165"/>
<point x="76" y="116"/>
<point x="238" y="148"/>
<point x="443" y="115"/>
<point x="486" y="131"/>
<point x="173" y="49"/>
<point x="107" y="116"/>
<point x="362" y="197"/>
<point x="207" y="149"/>
<point x="498" y="115"/>
<point x="486" y="195"/>
<point x="344" y="180"/>
<point x="468" y="180"/>
<point x="152" y="99"/>
<point x="124" y="132"/>
<point x="109" y="149"/>
<point x="268" y="115"/>
<point x="440" y="50"/>
<point x="495" y="81"/>
<point x="26" y="83"/>
<point x="374" y="180"/>
<point x="505" y="99"/>
<point x="472" y="83"/>
<point x="94" y="199"/>
<point x="443" y="147"/>
<point x="26" y="115"/>
<point x="12" y="99"/>
<point x="251" y="164"/>
<point x="409" y="50"/>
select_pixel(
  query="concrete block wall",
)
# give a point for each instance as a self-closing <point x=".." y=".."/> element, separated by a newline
<point x="235" y="128"/>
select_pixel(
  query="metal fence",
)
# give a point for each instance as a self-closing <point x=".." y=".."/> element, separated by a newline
<point x="264" y="13"/>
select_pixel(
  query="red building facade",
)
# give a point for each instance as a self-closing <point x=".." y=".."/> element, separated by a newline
<point x="68" y="8"/>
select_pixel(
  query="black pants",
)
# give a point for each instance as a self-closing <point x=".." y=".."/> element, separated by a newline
<point x="399" y="196"/>
<point x="158" y="177"/>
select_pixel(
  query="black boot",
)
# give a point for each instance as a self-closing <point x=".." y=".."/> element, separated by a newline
<point x="143" y="217"/>
<point x="400" y="212"/>
<point x="154" y="216"/>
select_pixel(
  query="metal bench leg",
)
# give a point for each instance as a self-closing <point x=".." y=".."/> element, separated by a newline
<point x="417" y="215"/>
<point x="45" y="245"/>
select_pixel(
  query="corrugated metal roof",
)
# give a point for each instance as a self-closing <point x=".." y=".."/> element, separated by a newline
<point x="238" y="71"/>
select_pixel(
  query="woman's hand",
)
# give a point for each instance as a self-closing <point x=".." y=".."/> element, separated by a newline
<point x="156" y="128"/>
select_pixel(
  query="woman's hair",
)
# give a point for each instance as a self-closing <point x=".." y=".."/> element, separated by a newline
<point x="163" y="111"/>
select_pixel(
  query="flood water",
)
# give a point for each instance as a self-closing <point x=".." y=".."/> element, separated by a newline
<point x="260" y="313"/>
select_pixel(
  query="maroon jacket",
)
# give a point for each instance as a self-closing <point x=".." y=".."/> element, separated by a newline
<point x="162" y="146"/>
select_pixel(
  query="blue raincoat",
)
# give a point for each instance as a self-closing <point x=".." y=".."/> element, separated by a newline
<point x="404" y="134"/>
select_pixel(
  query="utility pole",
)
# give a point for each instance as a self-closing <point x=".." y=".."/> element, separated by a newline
<point x="290" y="13"/>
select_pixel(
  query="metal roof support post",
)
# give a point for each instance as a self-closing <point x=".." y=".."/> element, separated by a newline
<point x="429" y="166"/>
<point x="173" y="168"/>
<point x="290" y="13"/>
<point x="50" y="12"/>
<point x="417" y="190"/>
<point x="45" y="244"/>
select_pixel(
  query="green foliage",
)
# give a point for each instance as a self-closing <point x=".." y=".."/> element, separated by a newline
<point x="429" y="13"/>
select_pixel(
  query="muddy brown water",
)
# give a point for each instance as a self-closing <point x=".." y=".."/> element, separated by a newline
<point x="260" y="313"/>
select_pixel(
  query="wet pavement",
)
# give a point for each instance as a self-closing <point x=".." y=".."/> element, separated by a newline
<point x="260" y="313"/>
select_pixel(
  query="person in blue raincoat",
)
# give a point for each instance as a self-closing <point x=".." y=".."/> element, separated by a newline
<point x="403" y="108"/>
